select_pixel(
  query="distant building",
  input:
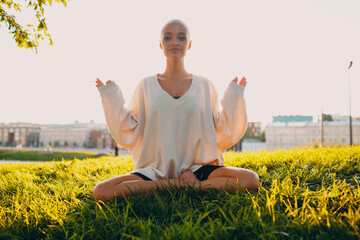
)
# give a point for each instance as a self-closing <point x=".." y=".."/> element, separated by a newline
<point x="253" y="130"/>
<point x="252" y="145"/>
<point x="74" y="135"/>
<point x="71" y="135"/>
<point x="338" y="117"/>
<point x="286" y="135"/>
<point x="95" y="135"/>
<point x="292" y="118"/>
<point x="253" y="133"/>
<point x="14" y="134"/>
<point x="105" y="140"/>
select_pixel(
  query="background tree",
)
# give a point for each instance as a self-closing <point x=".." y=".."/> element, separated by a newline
<point x="57" y="144"/>
<point x="327" y="117"/>
<point x="26" y="36"/>
<point x="262" y="136"/>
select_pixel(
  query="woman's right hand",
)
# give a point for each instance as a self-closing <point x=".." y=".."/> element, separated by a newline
<point x="99" y="83"/>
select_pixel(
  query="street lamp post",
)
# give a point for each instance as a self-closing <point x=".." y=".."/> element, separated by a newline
<point x="321" y="129"/>
<point x="350" y="121"/>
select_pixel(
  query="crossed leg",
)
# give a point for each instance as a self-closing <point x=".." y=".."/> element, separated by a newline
<point x="225" y="178"/>
<point x="125" y="185"/>
<point x="230" y="179"/>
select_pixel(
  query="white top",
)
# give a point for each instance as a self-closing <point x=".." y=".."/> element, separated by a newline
<point x="166" y="135"/>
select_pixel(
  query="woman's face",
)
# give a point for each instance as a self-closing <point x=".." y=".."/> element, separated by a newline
<point x="175" y="41"/>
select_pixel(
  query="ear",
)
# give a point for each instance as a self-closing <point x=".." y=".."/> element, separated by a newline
<point x="160" y="45"/>
<point x="189" y="45"/>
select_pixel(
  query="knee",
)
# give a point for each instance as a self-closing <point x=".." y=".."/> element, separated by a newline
<point x="248" y="179"/>
<point x="253" y="180"/>
<point x="99" y="192"/>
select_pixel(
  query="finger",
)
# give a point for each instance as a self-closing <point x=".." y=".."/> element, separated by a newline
<point x="99" y="82"/>
<point x="235" y="80"/>
<point x="243" y="82"/>
<point x="108" y="82"/>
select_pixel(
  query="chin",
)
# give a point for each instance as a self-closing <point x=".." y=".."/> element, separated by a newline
<point x="175" y="56"/>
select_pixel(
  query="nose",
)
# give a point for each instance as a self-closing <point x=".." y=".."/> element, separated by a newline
<point x="174" y="42"/>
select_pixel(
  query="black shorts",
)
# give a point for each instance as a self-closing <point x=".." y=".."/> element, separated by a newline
<point x="201" y="174"/>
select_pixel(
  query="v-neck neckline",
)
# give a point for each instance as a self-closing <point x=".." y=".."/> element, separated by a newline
<point x="181" y="98"/>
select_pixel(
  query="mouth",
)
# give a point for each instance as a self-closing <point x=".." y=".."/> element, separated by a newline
<point x="174" y="49"/>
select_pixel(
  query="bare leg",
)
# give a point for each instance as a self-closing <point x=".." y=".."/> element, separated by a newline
<point x="220" y="183"/>
<point x="127" y="185"/>
<point x="105" y="188"/>
<point x="230" y="179"/>
<point x="226" y="178"/>
<point x="186" y="179"/>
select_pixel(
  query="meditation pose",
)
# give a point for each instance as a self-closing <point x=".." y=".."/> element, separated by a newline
<point x="175" y="128"/>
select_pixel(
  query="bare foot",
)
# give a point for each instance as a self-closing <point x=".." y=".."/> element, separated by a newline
<point x="188" y="177"/>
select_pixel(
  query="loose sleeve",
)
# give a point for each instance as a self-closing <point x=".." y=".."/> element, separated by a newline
<point x="121" y="121"/>
<point x="230" y="121"/>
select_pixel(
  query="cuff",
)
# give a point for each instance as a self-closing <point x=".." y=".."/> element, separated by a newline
<point x="237" y="88"/>
<point x="107" y="88"/>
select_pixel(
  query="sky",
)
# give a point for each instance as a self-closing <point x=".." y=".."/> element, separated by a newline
<point x="294" y="55"/>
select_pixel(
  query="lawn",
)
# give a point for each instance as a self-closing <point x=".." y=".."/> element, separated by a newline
<point x="304" y="193"/>
<point x="36" y="155"/>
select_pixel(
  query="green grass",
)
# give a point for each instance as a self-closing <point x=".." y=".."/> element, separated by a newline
<point x="304" y="194"/>
<point x="36" y="155"/>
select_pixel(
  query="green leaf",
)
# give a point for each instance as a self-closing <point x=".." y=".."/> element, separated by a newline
<point x="20" y="33"/>
<point x="40" y="26"/>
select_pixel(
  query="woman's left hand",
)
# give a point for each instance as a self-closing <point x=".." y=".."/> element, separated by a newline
<point x="99" y="83"/>
<point x="242" y="82"/>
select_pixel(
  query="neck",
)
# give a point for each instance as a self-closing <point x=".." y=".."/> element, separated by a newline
<point x="175" y="68"/>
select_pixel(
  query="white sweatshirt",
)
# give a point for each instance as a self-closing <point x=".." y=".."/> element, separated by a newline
<point x="166" y="135"/>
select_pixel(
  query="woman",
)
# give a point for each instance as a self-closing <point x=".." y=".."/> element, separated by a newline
<point x="174" y="129"/>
